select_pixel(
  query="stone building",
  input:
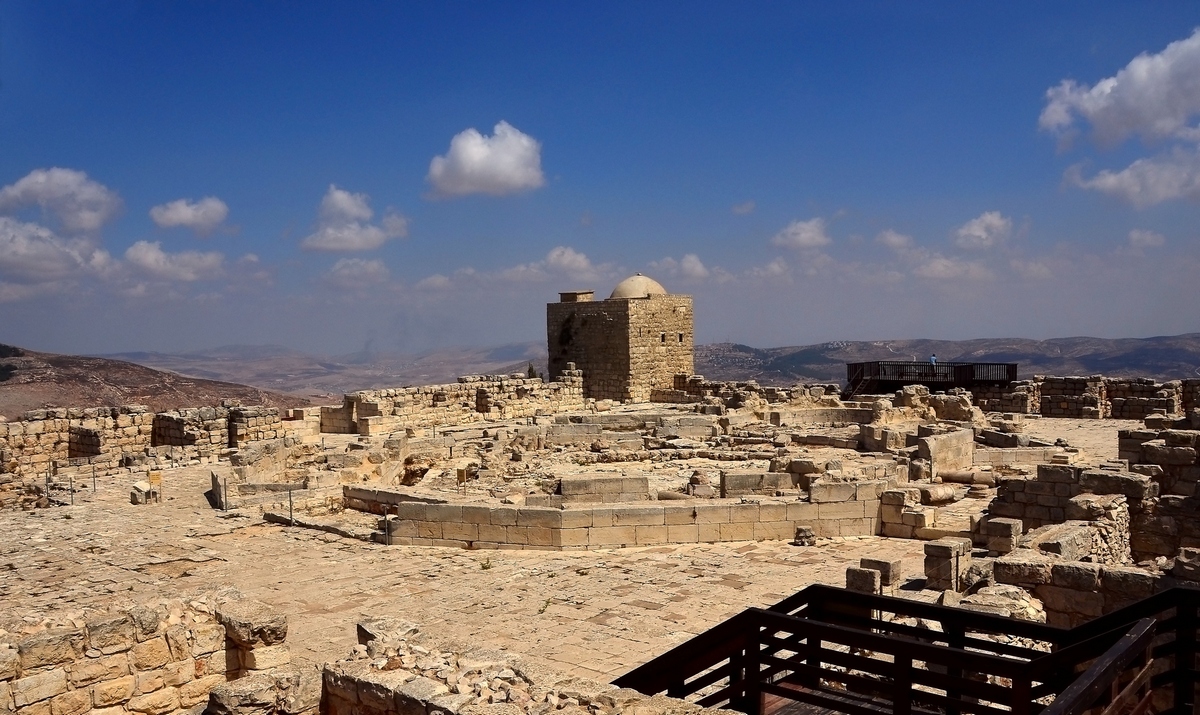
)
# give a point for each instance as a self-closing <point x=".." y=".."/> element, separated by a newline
<point x="626" y="346"/>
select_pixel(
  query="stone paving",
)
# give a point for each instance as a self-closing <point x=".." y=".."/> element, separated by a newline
<point x="594" y="614"/>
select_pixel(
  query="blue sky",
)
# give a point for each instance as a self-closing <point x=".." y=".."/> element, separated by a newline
<point x="183" y="175"/>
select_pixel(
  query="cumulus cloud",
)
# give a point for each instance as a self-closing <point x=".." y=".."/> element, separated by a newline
<point x="1154" y="96"/>
<point x="507" y="162"/>
<point x="185" y="266"/>
<point x="984" y="231"/>
<point x="200" y="216"/>
<point x="343" y="224"/>
<point x="561" y="261"/>
<point x="894" y="240"/>
<point x="1147" y="182"/>
<point x="690" y="267"/>
<point x="34" y="254"/>
<point x="746" y="207"/>
<point x="437" y="281"/>
<point x="777" y="268"/>
<point x="943" y="268"/>
<point x="1141" y="238"/>
<point x="356" y="273"/>
<point x="79" y="204"/>
<point x="803" y="234"/>
<point x="1031" y="269"/>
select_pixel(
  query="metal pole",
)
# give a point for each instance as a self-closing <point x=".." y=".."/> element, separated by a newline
<point x="72" y="482"/>
<point x="291" y="517"/>
<point x="93" y="479"/>
<point x="225" y="496"/>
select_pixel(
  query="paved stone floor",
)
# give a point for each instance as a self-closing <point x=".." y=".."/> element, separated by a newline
<point x="595" y="614"/>
<point x="1097" y="438"/>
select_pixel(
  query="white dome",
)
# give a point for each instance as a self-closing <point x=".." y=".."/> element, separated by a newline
<point x="637" y="286"/>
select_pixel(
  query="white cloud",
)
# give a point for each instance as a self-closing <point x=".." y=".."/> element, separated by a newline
<point x="356" y="273"/>
<point x="690" y="267"/>
<point x="1147" y="182"/>
<point x="1141" y="238"/>
<point x="943" y="268"/>
<point x="562" y="261"/>
<point x="185" y="266"/>
<point x="803" y="234"/>
<point x="342" y="224"/>
<point x="79" y="204"/>
<point x="200" y="216"/>
<point x="437" y="281"/>
<point x="746" y="207"/>
<point x="1031" y="269"/>
<point x="1154" y="96"/>
<point x="777" y="268"/>
<point x="894" y="240"/>
<point x="984" y="231"/>
<point x="507" y="162"/>
<point x="34" y="254"/>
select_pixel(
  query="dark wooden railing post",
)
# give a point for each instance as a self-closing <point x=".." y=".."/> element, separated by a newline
<point x="956" y="637"/>
<point x="753" y="692"/>
<point x="902" y="695"/>
<point x="1185" y="653"/>
<point x="1022" y="695"/>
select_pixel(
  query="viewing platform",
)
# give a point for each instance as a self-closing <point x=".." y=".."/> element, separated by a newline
<point x="872" y="378"/>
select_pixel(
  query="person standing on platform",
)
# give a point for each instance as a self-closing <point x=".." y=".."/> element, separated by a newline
<point x="933" y="359"/>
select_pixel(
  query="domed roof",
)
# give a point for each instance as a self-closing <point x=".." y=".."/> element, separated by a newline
<point x="637" y="286"/>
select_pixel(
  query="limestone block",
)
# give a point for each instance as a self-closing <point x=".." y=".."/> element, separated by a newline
<point x="460" y="532"/>
<point x="91" y="670"/>
<point x="648" y="535"/>
<point x="774" y="531"/>
<point x="50" y="648"/>
<point x="151" y="654"/>
<point x="38" y="687"/>
<point x="612" y="536"/>
<point x="266" y="657"/>
<point x="570" y="537"/>
<point x="891" y="572"/>
<point x="251" y="623"/>
<point x="75" y="702"/>
<point x="112" y="692"/>
<point x="10" y="662"/>
<point x="1075" y="575"/>
<point x="1068" y="600"/>
<point x="179" y="673"/>
<point x="111" y="635"/>
<point x="207" y="638"/>
<point x="740" y="531"/>
<point x="744" y="512"/>
<point x="1134" y="486"/>
<point x="1127" y="582"/>
<point x="863" y="580"/>
<point x="802" y="511"/>
<point x="841" y="510"/>
<point x="546" y="518"/>
<point x="156" y="703"/>
<point x="712" y="513"/>
<point x="826" y="491"/>
<point x="1023" y="568"/>
<point x="196" y="692"/>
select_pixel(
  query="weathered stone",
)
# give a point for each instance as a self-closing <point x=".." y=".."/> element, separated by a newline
<point x="1128" y="582"/>
<point x="266" y="657"/>
<point x="50" y="648"/>
<point x="251" y="623"/>
<point x="75" y="702"/>
<point x="1023" y="568"/>
<point x="41" y="686"/>
<point x="112" y="692"/>
<point x="115" y="634"/>
<point x="157" y="703"/>
<point x="862" y="580"/>
<point x="1075" y="575"/>
<point x="151" y="654"/>
<point x="244" y="696"/>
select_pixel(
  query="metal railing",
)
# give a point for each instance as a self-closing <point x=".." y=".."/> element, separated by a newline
<point x="834" y="649"/>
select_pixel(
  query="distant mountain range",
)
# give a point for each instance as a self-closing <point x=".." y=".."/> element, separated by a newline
<point x="1162" y="358"/>
<point x="284" y="377"/>
<point x="32" y="380"/>
<point x="274" y="367"/>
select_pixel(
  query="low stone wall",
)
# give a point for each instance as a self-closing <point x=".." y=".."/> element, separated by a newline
<point x="1074" y="592"/>
<point x="999" y="457"/>
<point x="250" y="424"/>
<point x="143" y="660"/>
<point x="473" y="398"/>
<point x="396" y="670"/>
<point x="1051" y="497"/>
<point x="1126" y="398"/>
<point x="946" y="451"/>
<point x="831" y="513"/>
<point x="1135" y="398"/>
<point x="1021" y="397"/>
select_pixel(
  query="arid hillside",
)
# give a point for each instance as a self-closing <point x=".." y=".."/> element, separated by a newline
<point x="31" y="380"/>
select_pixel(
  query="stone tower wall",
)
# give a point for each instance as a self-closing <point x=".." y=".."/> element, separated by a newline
<point x="595" y="336"/>
<point x="661" y="343"/>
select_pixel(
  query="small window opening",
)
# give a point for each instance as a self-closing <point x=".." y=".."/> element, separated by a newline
<point x="681" y="337"/>
<point x="663" y="337"/>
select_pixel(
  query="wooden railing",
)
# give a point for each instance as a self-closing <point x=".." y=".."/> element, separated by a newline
<point x="891" y="374"/>
<point x="835" y="649"/>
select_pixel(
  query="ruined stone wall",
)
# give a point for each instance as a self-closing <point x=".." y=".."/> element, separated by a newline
<point x="1190" y="395"/>
<point x="1052" y="497"/>
<point x="474" y="398"/>
<point x="661" y="343"/>
<point x="595" y="336"/>
<point x="1021" y="397"/>
<point x="1074" y="592"/>
<point x="143" y="660"/>
<point x="1074" y="397"/>
<point x="847" y="509"/>
<point x="687" y="388"/>
<point x="250" y="424"/>
<point x="192" y="427"/>
<point x="1135" y="398"/>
